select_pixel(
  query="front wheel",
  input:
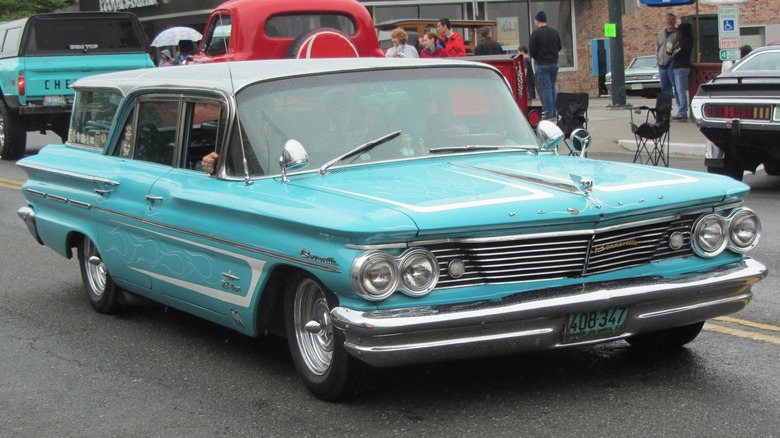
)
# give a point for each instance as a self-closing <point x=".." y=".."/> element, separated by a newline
<point x="100" y="288"/>
<point x="667" y="339"/>
<point x="317" y="349"/>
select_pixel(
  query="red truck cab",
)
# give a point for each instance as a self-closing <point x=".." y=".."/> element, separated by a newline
<point x="240" y="30"/>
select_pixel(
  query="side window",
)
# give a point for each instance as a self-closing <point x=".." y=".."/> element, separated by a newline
<point x="218" y="39"/>
<point x="204" y="129"/>
<point x="92" y="116"/>
<point x="11" y="43"/>
<point x="155" y="133"/>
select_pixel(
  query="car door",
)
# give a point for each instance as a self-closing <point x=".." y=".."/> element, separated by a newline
<point x="141" y="154"/>
<point x="199" y="267"/>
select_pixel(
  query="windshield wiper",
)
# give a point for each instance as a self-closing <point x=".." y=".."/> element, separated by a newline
<point x="472" y="147"/>
<point x="365" y="147"/>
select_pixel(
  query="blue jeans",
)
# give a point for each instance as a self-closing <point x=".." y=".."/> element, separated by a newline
<point x="546" y="75"/>
<point x="681" y="88"/>
<point x="667" y="79"/>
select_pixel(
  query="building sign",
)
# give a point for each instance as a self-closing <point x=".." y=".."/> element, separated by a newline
<point x="119" y="5"/>
<point x="508" y="31"/>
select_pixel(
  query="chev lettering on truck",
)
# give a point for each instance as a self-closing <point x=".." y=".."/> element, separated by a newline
<point x="53" y="52"/>
<point x="58" y="84"/>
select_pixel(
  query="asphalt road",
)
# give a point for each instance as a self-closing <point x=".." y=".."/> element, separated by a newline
<point x="68" y="371"/>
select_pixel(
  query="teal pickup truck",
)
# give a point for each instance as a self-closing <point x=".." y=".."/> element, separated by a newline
<point x="42" y="55"/>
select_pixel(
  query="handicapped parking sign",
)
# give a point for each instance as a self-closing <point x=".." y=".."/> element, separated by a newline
<point x="728" y="21"/>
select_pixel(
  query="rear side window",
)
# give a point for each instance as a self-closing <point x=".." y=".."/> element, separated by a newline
<point x="75" y="36"/>
<point x="293" y="26"/>
<point x="11" y="41"/>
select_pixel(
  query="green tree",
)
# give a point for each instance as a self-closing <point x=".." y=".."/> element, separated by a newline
<point x="11" y="9"/>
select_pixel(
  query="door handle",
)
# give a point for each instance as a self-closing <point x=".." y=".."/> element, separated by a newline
<point x="152" y="198"/>
<point x="102" y="192"/>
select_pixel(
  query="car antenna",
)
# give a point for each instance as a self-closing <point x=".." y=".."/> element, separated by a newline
<point x="247" y="179"/>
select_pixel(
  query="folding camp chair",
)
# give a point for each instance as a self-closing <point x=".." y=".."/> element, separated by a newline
<point x="654" y="131"/>
<point x="572" y="111"/>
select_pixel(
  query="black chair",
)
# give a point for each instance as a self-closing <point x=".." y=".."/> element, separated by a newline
<point x="652" y="136"/>
<point x="572" y="111"/>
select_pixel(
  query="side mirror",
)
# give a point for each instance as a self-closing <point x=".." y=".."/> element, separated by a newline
<point x="579" y="140"/>
<point x="294" y="157"/>
<point x="549" y="134"/>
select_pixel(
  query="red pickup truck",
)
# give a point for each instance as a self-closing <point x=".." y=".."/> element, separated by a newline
<point x="240" y="30"/>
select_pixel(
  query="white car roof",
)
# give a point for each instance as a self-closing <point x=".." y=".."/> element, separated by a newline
<point x="229" y="76"/>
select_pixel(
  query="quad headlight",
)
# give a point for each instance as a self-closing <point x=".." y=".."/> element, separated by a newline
<point x="713" y="233"/>
<point x="375" y="275"/>
<point x="744" y="230"/>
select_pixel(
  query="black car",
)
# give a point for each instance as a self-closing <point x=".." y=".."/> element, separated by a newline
<point x="739" y="112"/>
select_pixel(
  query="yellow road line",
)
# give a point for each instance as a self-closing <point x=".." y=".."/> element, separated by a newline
<point x="17" y="185"/>
<point x="758" y="325"/>
<point x="742" y="334"/>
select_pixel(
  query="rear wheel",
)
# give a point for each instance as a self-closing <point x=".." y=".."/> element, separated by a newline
<point x="100" y="288"/>
<point x="317" y="349"/>
<point x="13" y="137"/>
<point x="666" y="339"/>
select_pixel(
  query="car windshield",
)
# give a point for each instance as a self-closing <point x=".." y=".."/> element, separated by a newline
<point x="464" y="109"/>
<point x="643" y="62"/>
<point x="761" y="61"/>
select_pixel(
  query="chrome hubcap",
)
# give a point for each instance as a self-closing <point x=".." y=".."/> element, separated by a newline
<point x="313" y="328"/>
<point x="95" y="268"/>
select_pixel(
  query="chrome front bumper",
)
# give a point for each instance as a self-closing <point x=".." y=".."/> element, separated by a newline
<point x="536" y="320"/>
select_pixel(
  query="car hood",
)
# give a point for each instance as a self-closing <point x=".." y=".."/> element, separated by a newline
<point x="446" y="195"/>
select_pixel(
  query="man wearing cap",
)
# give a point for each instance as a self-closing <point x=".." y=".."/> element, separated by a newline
<point x="544" y="45"/>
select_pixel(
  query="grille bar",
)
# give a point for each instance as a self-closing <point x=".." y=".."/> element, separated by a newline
<point x="551" y="257"/>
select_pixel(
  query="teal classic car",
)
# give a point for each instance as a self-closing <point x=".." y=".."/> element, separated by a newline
<point x="379" y="213"/>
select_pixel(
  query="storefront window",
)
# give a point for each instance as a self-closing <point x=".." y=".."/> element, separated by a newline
<point x="560" y="16"/>
<point x="451" y="11"/>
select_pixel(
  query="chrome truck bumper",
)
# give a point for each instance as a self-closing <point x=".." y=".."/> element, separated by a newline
<point x="536" y="321"/>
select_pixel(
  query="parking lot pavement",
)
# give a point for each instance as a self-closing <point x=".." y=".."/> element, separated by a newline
<point x="610" y="128"/>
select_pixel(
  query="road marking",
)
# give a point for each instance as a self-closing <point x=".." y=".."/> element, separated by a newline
<point x="758" y="325"/>
<point x="10" y="183"/>
<point x="742" y="334"/>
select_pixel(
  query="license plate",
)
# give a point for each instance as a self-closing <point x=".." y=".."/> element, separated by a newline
<point x="636" y="86"/>
<point x="54" y="100"/>
<point x="596" y="324"/>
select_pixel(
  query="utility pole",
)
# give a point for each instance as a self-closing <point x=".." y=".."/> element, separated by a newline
<point x="616" y="55"/>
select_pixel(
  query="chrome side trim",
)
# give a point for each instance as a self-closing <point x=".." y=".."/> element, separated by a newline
<point x="210" y="238"/>
<point x="76" y="175"/>
<point x="535" y="320"/>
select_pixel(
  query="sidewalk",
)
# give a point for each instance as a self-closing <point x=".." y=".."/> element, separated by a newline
<point x="610" y="128"/>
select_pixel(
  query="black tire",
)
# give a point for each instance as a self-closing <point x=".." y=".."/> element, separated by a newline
<point x="320" y="358"/>
<point x="13" y="136"/>
<point x="731" y="168"/>
<point x="772" y="168"/>
<point x="100" y="288"/>
<point x="666" y="339"/>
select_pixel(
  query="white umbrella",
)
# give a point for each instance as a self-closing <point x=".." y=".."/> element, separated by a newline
<point x="172" y="36"/>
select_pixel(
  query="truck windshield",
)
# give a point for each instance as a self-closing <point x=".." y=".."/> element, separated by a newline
<point x="74" y="36"/>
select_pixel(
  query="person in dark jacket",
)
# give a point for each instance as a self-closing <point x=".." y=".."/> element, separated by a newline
<point x="544" y="45"/>
<point x="530" y="80"/>
<point x="487" y="45"/>
<point x="681" y="66"/>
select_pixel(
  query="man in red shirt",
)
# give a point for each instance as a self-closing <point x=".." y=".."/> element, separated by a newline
<point x="453" y="42"/>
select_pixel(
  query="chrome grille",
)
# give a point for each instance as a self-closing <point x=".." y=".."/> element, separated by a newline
<point x="519" y="258"/>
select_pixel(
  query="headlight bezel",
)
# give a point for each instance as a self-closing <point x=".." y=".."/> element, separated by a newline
<point x="736" y="218"/>
<point x="361" y="281"/>
<point x="697" y="233"/>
